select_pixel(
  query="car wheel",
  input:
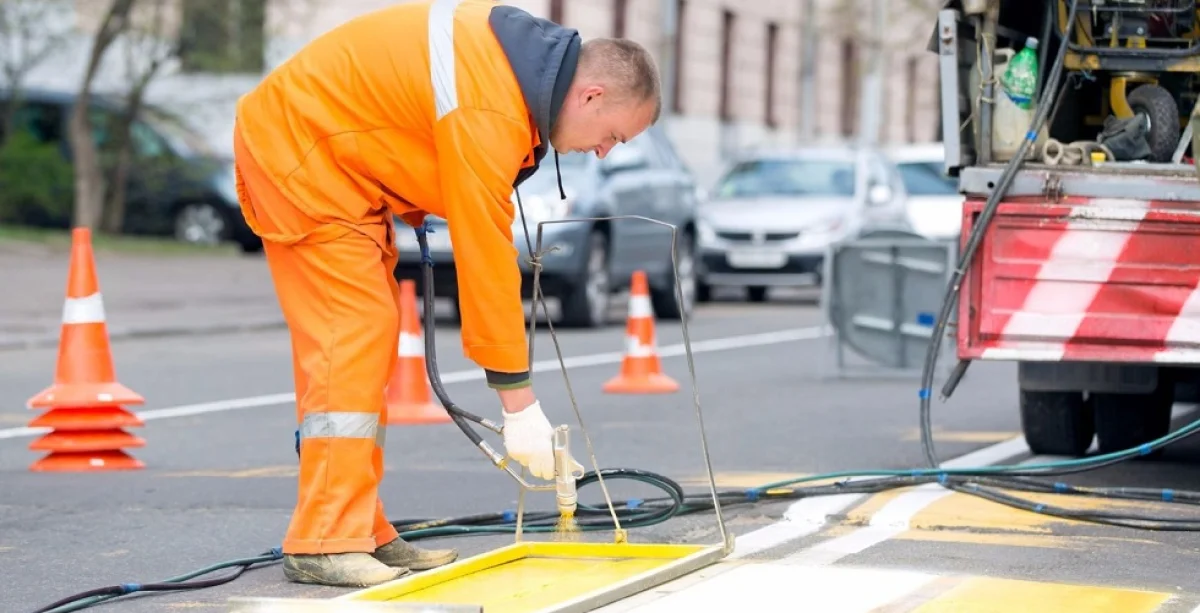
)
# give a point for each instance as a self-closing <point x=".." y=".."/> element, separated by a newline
<point x="665" y="300"/>
<point x="585" y="304"/>
<point x="200" y="223"/>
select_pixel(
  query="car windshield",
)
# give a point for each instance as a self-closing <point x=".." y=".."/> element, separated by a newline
<point x="545" y="180"/>
<point x="927" y="179"/>
<point x="181" y="138"/>
<point x="788" y="178"/>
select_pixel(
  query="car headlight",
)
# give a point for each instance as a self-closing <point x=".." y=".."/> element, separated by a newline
<point x="705" y="234"/>
<point x="538" y="208"/>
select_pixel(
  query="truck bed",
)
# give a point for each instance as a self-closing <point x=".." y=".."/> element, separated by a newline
<point x="1084" y="264"/>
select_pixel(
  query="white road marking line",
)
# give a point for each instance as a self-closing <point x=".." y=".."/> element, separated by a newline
<point x="763" y="587"/>
<point x="596" y="359"/>
<point x="807" y="516"/>
<point x="894" y="517"/>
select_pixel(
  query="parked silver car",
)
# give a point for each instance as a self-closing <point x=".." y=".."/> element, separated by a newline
<point x="772" y="215"/>
<point x="585" y="262"/>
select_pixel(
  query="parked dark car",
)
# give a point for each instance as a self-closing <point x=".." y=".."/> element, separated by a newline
<point x="177" y="186"/>
<point x="590" y="260"/>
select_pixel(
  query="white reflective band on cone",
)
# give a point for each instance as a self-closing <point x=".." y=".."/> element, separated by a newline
<point x="340" y="425"/>
<point x="89" y="310"/>
<point x="411" y="346"/>
<point x="635" y="348"/>
<point x="639" y="307"/>
<point x="441" y="56"/>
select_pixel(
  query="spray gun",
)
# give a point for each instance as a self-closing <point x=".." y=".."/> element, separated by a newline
<point x="566" y="470"/>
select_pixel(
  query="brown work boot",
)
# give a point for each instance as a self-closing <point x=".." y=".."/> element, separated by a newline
<point x="339" y="569"/>
<point x="401" y="554"/>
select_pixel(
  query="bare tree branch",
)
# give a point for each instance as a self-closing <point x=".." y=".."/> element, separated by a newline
<point x="30" y="32"/>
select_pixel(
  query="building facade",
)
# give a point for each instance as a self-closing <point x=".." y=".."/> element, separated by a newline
<point x="769" y="72"/>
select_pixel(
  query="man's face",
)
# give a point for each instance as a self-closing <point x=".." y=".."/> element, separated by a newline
<point x="591" y="120"/>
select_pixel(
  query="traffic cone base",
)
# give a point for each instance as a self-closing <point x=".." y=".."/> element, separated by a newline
<point x="651" y="383"/>
<point x="64" y="461"/>
<point x="409" y="399"/>
<point x="86" y="441"/>
<point x="84" y="395"/>
<point x="87" y="418"/>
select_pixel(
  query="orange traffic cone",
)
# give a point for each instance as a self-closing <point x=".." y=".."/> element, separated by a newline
<point x="641" y="370"/>
<point x="85" y="416"/>
<point x="409" y="398"/>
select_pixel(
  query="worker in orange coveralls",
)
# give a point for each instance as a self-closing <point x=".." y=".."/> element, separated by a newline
<point x="421" y="108"/>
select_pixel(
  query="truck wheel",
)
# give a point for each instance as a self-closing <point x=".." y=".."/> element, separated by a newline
<point x="1056" y="423"/>
<point x="1124" y="421"/>
<point x="1159" y="106"/>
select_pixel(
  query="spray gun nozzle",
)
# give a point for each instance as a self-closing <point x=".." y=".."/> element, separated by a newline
<point x="564" y="479"/>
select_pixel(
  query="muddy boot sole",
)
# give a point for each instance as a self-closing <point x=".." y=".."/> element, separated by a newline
<point x="339" y="570"/>
<point x="401" y="554"/>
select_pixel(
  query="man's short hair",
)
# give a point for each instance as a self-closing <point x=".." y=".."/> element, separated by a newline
<point x="626" y="66"/>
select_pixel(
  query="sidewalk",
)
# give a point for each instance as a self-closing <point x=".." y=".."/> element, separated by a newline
<point x="144" y="295"/>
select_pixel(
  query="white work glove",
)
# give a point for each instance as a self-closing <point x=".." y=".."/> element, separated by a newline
<point x="529" y="438"/>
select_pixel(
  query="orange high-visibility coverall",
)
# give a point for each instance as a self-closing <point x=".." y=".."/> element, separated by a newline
<point x="422" y="108"/>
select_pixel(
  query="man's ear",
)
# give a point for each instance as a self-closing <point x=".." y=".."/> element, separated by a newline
<point x="591" y="93"/>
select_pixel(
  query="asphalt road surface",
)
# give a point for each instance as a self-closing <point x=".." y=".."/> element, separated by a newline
<point x="220" y="473"/>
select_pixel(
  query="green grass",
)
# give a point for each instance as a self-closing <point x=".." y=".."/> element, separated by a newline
<point x="111" y="243"/>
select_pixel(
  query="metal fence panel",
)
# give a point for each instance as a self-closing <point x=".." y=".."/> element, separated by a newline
<point x="883" y="293"/>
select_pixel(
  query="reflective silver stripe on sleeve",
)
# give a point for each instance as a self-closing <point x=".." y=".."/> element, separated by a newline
<point x="340" y="425"/>
<point x="441" y="56"/>
<point x="381" y="436"/>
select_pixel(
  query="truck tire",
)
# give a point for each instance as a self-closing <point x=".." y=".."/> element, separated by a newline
<point x="1160" y="107"/>
<point x="1056" y="423"/>
<point x="1125" y="421"/>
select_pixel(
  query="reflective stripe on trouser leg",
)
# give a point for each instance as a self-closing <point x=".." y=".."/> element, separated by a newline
<point x="380" y="438"/>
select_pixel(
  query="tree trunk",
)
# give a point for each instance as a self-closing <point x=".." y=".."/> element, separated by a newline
<point x="114" y="211"/>
<point x="89" y="176"/>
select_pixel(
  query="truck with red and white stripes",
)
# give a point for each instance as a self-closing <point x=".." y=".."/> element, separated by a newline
<point x="1081" y="253"/>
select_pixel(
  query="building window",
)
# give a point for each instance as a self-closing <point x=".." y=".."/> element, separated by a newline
<point x="619" y="8"/>
<point x="556" y="11"/>
<point x="223" y="36"/>
<point x="726" y="108"/>
<point x="677" y="80"/>
<point x="849" y="87"/>
<point x="769" y="95"/>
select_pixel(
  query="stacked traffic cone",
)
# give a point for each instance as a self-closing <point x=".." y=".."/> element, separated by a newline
<point x="409" y="399"/>
<point x="85" y="417"/>
<point x="641" y="369"/>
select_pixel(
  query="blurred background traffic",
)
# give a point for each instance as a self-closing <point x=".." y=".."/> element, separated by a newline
<point x="788" y="125"/>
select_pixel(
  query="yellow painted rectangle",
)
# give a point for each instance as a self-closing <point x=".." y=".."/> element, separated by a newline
<point x="987" y="595"/>
<point x="533" y="583"/>
<point x="532" y="576"/>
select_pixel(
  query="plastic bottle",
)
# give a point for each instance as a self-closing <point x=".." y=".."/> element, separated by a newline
<point x="1021" y="76"/>
<point x="1014" y="109"/>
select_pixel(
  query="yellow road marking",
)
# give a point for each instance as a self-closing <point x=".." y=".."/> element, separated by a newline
<point x="972" y="512"/>
<point x="988" y="595"/>
<point x="970" y="436"/>
<point x="746" y="479"/>
<point x="246" y="473"/>
<point x="1044" y="541"/>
